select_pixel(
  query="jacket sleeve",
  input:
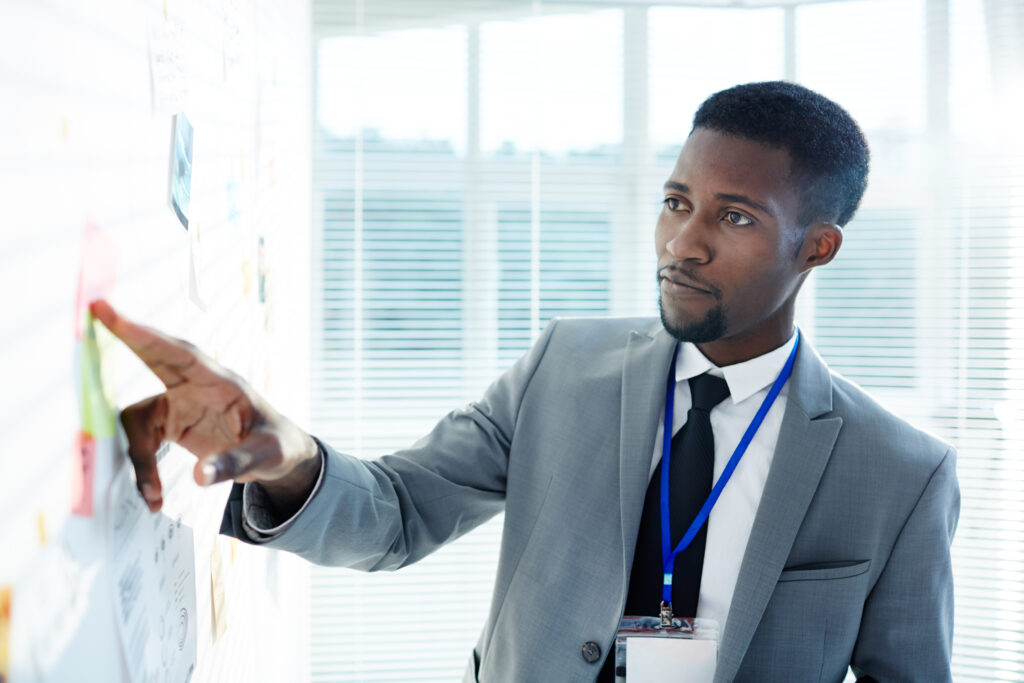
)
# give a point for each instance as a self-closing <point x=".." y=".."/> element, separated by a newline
<point x="393" y="511"/>
<point x="906" y="630"/>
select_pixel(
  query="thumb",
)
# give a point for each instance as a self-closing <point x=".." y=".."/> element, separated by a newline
<point x="258" y="453"/>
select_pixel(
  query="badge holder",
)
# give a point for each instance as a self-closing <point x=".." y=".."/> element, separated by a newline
<point x="655" y="649"/>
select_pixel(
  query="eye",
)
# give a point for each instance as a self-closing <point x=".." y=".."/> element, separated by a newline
<point x="672" y="203"/>
<point x="737" y="218"/>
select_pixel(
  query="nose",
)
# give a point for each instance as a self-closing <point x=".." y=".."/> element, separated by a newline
<point x="688" y="238"/>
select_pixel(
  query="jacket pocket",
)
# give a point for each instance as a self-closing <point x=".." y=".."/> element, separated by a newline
<point x="809" y="627"/>
<point x="825" y="570"/>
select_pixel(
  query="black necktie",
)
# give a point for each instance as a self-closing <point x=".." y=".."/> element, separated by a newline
<point x="690" y="474"/>
<point x="690" y="478"/>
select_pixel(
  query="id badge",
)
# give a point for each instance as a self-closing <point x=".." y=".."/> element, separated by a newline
<point x="648" y="652"/>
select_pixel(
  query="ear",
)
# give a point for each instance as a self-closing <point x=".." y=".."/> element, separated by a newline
<point x="821" y="243"/>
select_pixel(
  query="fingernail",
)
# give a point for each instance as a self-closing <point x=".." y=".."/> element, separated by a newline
<point x="209" y="471"/>
<point x="149" y="493"/>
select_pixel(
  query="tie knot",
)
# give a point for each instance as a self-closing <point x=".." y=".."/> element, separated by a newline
<point x="707" y="391"/>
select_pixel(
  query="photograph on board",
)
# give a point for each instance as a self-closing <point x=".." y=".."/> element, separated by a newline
<point x="181" y="167"/>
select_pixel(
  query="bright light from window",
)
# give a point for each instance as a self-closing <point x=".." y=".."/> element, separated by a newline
<point x="882" y="79"/>
<point x="694" y="52"/>
<point x="406" y="85"/>
<point x="535" y="94"/>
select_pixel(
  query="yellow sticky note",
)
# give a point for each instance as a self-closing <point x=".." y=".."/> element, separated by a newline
<point x="217" y="604"/>
<point x="5" y="633"/>
<point x="41" y="527"/>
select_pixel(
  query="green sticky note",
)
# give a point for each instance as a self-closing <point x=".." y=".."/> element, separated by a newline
<point x="98" y="414"/>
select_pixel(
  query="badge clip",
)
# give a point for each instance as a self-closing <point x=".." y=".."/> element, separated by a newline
<point x="666" y="614"/>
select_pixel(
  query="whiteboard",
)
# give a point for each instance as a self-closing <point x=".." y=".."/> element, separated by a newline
<point x="91" y="91"/>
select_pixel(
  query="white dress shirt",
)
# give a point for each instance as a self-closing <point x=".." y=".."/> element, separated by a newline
<point x="733" y="515"/>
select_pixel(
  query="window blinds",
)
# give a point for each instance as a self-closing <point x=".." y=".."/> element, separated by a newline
<point x="480" y="167"/>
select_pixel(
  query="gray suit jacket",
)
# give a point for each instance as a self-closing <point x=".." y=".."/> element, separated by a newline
<point x="847" y="563"/>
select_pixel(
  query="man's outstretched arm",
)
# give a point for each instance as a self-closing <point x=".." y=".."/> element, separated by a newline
<point x="371" y="515"/>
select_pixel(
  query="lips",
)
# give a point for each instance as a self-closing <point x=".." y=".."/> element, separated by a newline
<point x="679" y="283"/>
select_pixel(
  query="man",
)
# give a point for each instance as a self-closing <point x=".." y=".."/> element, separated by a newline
<point x="829" y="544"/>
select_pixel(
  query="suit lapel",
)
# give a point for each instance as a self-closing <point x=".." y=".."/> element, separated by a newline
<point x="803" y="449"/>
<point x="644" y="373"/>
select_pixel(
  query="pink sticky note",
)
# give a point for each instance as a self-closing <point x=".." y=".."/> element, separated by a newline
<point x="97" y="272"/>
<point x="83" y="463"/>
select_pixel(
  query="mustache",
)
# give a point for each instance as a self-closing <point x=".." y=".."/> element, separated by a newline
<point x="686" y="276"/>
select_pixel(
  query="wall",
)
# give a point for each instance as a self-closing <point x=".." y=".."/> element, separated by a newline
<point x="88" y="96"/>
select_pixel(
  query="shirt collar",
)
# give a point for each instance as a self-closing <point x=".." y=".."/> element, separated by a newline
<point x="744" y="379"/>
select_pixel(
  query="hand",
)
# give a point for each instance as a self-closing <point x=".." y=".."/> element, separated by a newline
<point x="213" y="413"/>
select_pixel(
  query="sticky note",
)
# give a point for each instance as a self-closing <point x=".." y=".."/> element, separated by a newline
<point x="97" y="414"/>
<point x="97" y="272"/>
<point x="83" y="466"/>
<point x="41" y="527"/>
<point x="217" y="602"/>
<point x="5" y="634"/>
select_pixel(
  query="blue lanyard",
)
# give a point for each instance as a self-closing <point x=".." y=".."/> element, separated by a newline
<point x="668" y="556"/>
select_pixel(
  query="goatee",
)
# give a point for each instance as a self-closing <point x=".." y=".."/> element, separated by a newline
<point x="707" y="329"/>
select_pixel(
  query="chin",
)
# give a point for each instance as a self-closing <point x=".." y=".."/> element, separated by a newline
<point x="707" y="329"/>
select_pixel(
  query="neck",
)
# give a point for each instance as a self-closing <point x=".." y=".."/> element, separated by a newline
<point x="767" y="336"/>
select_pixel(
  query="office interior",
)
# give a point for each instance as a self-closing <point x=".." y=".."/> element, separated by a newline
<point x="386" y="201"/>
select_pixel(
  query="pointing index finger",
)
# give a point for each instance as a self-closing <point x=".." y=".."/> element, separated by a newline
<point x="172" y="360"/>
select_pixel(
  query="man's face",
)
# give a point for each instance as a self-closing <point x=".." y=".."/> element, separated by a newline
<point x="727" y="239"/>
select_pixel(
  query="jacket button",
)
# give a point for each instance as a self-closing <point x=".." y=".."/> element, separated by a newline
<point x="591" y="651"/>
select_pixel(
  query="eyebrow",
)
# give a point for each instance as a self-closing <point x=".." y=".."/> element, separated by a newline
<point x="724" y="197"/>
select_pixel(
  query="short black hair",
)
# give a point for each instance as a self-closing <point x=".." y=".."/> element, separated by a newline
<point x="829" y="153"/>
